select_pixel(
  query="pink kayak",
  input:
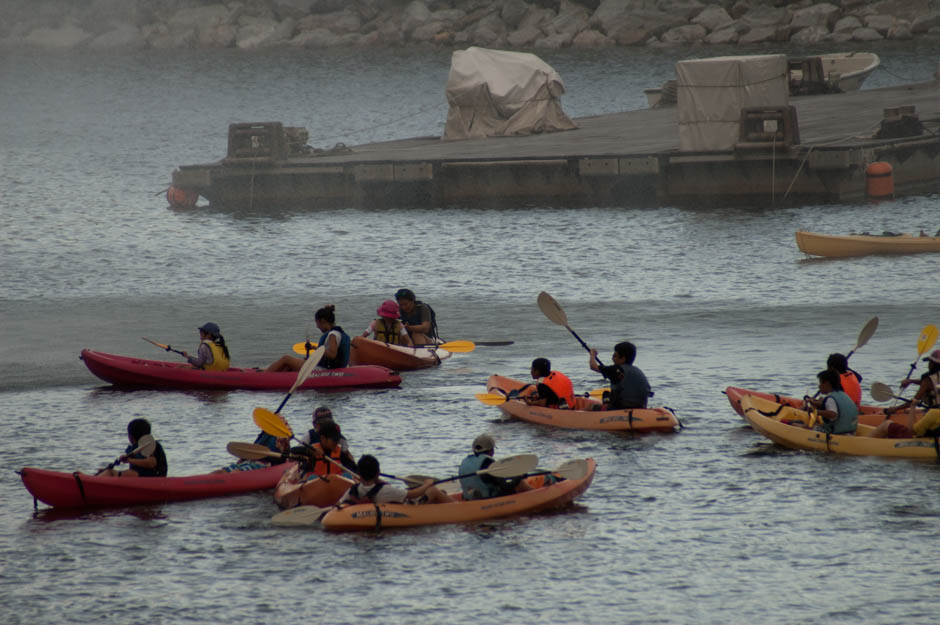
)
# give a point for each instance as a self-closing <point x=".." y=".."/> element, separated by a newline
<point x="79" y="490"/>
<point x="141" y="373"/>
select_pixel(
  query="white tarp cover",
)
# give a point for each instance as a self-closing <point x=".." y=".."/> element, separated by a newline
<point x="499" y="93"/>
<point x="713" y="91"/>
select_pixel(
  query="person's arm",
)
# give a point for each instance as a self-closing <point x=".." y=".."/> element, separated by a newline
<point x="332" y="345"/>
<point x="150" y="462"/>
<point x="592" y="360"/>
<point x="425" y="326"/>
<point x="417" y="491"/>
<point x="370" y="329"/>
<point x="202" y="358"/>
<point x="404" y="336"/>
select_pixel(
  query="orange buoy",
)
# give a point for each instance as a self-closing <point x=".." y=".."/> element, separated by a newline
<point x="181" y="198"/>
<point x="880" y="180"/>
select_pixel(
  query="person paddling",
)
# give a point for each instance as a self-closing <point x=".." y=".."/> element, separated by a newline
<point x="629" y="387"/>
<point x="151" y="465"/>
<point x="838" y="412"/>
<point x="212" y="354"/>
<point x="850" y="379"/>
<point x="486" y="486"/>
<point x="387" y="328"/>
<point x="371" y="489"/>
<point x="334" y="339"/>
<point x="418" y="318"/>
<point x="928" y="395"/>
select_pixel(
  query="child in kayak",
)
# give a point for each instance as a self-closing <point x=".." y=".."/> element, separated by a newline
<point x="333" y="338"/>
<point x="371" y="489"/>
<point x="486" y="486"/>
<point x="152" y="465"/>
<point x="212" y="354"/>
<point x="387" y="328"/>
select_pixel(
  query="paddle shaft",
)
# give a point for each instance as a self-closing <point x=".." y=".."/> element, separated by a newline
<point x="147" y="443"/>
<point x="163" y="347"/>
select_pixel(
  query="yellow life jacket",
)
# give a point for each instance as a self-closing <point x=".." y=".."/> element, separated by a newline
<point x="387" y="334"/>
<point x="220" y="361"/>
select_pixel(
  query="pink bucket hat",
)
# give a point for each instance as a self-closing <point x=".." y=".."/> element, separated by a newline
<point x="388" y="309"/>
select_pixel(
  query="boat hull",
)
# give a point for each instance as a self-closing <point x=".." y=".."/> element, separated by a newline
<point x="141" y="373"/>
<point x="835" y="246"/>
<point x="583" y="417"/>
<point x="868" y="415"/>
<point x="794" y="437"/>
<point x="320" y="491"/>
<point x="377" y="516"/>
<point x="77" y="490"/>
<point x="364" y="351"/>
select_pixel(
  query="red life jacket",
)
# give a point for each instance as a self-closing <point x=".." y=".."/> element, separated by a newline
<point x="851" y="387"/>
<point x="323" y="467"/>
<point x="561" y="386"/>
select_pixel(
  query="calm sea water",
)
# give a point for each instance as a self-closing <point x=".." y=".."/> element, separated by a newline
<point x="710" y="525"/>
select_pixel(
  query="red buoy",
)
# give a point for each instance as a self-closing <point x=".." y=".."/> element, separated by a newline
<point x="181" y="198"/>
<point x="880" y="180"/>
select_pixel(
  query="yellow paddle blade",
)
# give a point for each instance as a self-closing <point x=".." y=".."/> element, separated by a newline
<point x="458" y="347"/>
<point x="928" y="336"/>
<point x="598" y="392"/>
<point x="271" y="423"/>
<point x="491" y="399"/>
<point x="301" y="348"/>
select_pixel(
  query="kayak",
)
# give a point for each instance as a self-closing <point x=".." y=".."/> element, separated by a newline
<point x="318" y="490"/>
<point x="583" y="416"/>
<point x="836" y="246"/>
<point x="79" y="490"/>
<point x="868" y="415"/>
<point x="767" y="418"/>
<point x="377" y="516"/>
<point x="365" y="351"/>
<point x="140" y="373"/>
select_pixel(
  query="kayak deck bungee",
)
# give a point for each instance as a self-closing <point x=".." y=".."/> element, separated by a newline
<point x="320" y="490"/>
<point x="868" y="415"/>
<point x="583" y="417"/>
<point x="78" y="490"/>
<point x="769" y="418"/>
<point x="384" y="515"/>
<point x="365" y="351"/>
<point x="142" y="373"/>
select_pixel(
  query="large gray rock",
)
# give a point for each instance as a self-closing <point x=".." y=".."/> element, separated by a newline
<point x="555" y="41"/>
<point x="591" y="39"/>
<point x="260" y="32"/>
<point x="810" y="34"/>
<point x="713" y="18"/>
<point x="882" y="23"/>
<point x="866" y="34"/>
<point x="199" y="17"/>
<point x="67" y="36"/>
<point x="726" y="35"/>
<point x="512" y="12"/>
<point x="761" y="16"/>
<point x="572" y="19"/>
<point x="924" y="23"/>
<point x="414" y="15"/>
<point x="524" y="37"/>
<point x="901" y="9"/>
<point x="901" y="31"/>
<point x="824" y="15"/>
<point x="690" y="33"/>
<point x="847" y="24"/>
<point x="124" y="36"/>
<point x="762" y="34"/>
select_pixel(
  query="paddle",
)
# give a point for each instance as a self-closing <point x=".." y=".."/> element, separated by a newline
<point x="301" y="515"/>
<point x="309" y="365"/>
<point x="555" y="314"/>
<point x="162" y="346"/>
<point x="145" y="446"/>
<point x="864" y="335"/>
<point x="882" y="392"/>
<point x="928" y="336"/>
<point x="570" y="470"/>
<point x="456" y="347"/>
<point x="511" y="466"/>
<point x="496" y="399"/>
<point x="493" y="343"/>
<point x="250" y="451"/>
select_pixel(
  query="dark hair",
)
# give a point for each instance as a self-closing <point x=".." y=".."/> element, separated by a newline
<point x="626" y="350"/>
<point x="838" y="362"/>
<point x="542" y="366"/>
<point x="329" y="430"/>
<point x="137" y="428"/>
<point x="326" y="313"/>
<point x="220" y="341"/>
<point x="321" y="413"/>
<point x="368" y="467"/>
<point x="405" y="294"/>
<point x="830" y="376"/>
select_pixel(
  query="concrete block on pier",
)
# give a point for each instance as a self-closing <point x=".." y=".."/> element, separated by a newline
<point x="639" y="166"/>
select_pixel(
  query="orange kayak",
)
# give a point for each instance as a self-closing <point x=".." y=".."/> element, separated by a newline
<point x="365" y="351"/>
<point x="583" y="417"/>
<point x="377" y="516"/>
<point x="867" y="415"/>
<point x="315" y="490"/>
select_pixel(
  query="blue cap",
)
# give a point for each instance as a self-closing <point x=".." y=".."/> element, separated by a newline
<point x="211" y="329"/>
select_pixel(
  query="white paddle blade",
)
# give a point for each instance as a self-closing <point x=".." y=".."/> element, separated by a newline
<point x="551" y="309"/>
<point x="309" y="365"/>
<point x="572" y="469"/>
<point x="512" y="466"/>
<point x="299" y="516"/>
<point x="145" y="445"/>
<point x="881" y="392"/>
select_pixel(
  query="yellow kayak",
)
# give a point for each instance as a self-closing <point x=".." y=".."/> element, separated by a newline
<point x="769" y="418"/>
<point x="839" y="246"/>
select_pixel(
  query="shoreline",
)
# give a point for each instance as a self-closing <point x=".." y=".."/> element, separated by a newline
<point x="500" y="24"/>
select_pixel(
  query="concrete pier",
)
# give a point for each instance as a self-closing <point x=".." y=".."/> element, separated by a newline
<point x="622" y="158"/>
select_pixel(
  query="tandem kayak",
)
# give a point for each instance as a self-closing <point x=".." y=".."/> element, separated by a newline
<point x="836" y="246"/>
<point x="867" y="415"/>
<point x="140" y="373"/>
<point x="583" y="416"/>
<point x="314" y="490"/>
<point x="376" y="516"/>
<point x="78" y="490"/>
<point x="768" y="418"/>
<point x="364" y="351"/>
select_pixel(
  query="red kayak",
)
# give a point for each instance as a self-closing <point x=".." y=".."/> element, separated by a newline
<point x="141" y="373"/>
<point x="78" y="490"/>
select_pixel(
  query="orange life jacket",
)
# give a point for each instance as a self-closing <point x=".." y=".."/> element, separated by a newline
<point x="851" y="387"/>
<point x="561" y="386"/>
<point x="324" y="467"/>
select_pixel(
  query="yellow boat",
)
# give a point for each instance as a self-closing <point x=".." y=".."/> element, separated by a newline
<point x="376" y="516"/>
<point x="583" y="416"/>
<point x="769" y="418"/>
<point x="836" y="246"/>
